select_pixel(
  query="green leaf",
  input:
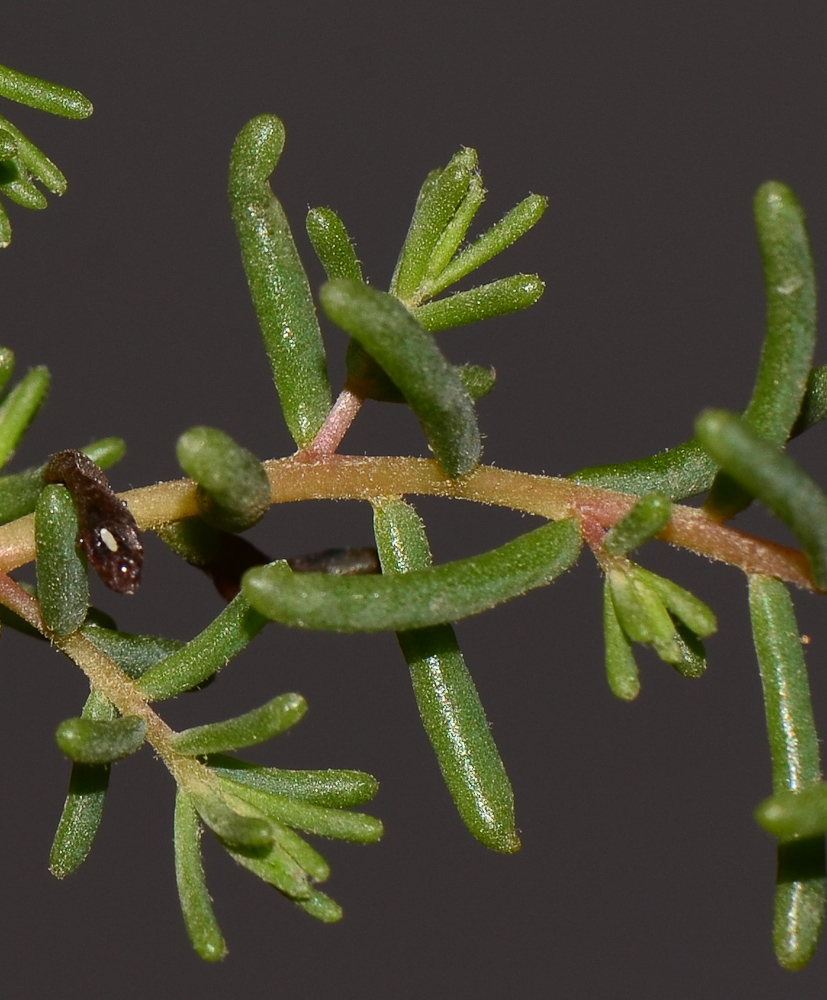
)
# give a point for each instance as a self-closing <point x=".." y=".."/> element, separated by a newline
<point x="478" y="381"/>
<point x="237" y="825"/>
<point x="284" y="840"/>
<point x="278" y="869"/>
<point x="439" y="199"/>
<point x="774" y="478"/>
<point x="19" y="409"/>
<point x="6" y="365"/>
<point x="814" y="404"/>
<point x="204" y="655"/>
<point x="680" y="603"/>
<point x="392" y="337"/>
<point x="641" y="613"/>
<point x="648" y="516"/>
<point x="89" y="741"/>
<point x="418" y="599"/>
<point x="321" y="820"/>
<point x="34" y="161"/>
<point x="799" y="900"/>
<point x="789" y="280"/>
<point x="233" y="488"/>
<point x="44" y="96"/>
<point x="651" y="610"/>
<point x="62" y="582"/>
<point x="448" y="702"/>
<point x="789" y="343"/>
<point x="495" y="299"/>
<point x="17" y="186"/>
<point x="454" y="232"/>
<point x="196" y="906"/>
<point x="245" y="730"/>
<point x="792" y="813"/>
<point x="8" y="144"/>
<point x="278" y="284"/>
<point x="5" y="228"/>
<point x="105" y="451"/>
<point x="621" y="669"/>
<point x="508" y="230"/>
<point x="678" y="473"/>
<point x="339" y="789"/>
<point x="332" y="244"/>
<point x="798" y="913"/>
<point x="134" y="654"/>
<point x="321" y="907"/>
<point x="85" y="799"/>
<point x="692" y="662"/>
<point x="790" y="724"/>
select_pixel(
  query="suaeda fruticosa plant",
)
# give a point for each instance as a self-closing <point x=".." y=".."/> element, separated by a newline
<point x="63" y="515"/>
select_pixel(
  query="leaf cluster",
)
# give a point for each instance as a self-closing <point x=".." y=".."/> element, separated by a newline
<point x="21" y="162"/>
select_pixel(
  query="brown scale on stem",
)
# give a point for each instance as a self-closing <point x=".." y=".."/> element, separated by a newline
<point x="108" y="534"/>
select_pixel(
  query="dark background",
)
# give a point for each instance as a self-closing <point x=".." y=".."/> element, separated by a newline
<point x="649" y="126"/>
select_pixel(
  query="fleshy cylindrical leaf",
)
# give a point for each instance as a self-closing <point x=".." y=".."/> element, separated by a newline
<point x="648" y="516"/>
<point x="278" y="284"/>
<point x="20" y="189"/>
<point x="484" y="302"/>
<point x="439" y="198"/>
<point x="88" y="741"/>
<point x="33" y="160"/>
<point x="814" y="404"/>
<point x="44" y="96"/>
<point x="339" y="789"/>
<point x="332" y="244"/>
<point x="641" y="613"/>
<point x="678" y="473"/>
<point x="134" y="654"/>
<point x="448" y="702"/>
<point x="233" y="488"/>
<point x="418" y="599"/>
<point x="338" y="824"/>
<point x="680" y="603"/>
<point x="8" y="143"/>
<point x="85" y="799"/>
<point x="62" y="581"/>
<point x="493" y="241"/>
<point x="196" y="906"/>
<point x="774" y="478"/>
<point x="789" y="280"/>
<point x="235" y="826"/>
<point x="392" y="337"/>
<point x="478" y="381"/>
<point x="791" y="728"/>
<point x="621" y="669"/>
<point x="455" y="231"/>
<point x="321" y="907"/>
<point x="789" y="343"/>
<point x="5" y="228"/>
<point x="245" y="730"/>
<point x="204" y="655"/>
<point x="795" y="813"/>
<point x="799" y="900"/>
<point x="277" y="868"/>
<point x="19" y="409"/>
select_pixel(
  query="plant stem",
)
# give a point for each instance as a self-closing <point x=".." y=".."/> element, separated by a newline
<point x="105" y="676"/>
<point x="339" y="477"/>
<point x="341" y="416"/>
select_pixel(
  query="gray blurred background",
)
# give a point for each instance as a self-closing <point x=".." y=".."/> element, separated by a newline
<point x="649" y="126"/>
